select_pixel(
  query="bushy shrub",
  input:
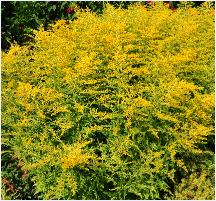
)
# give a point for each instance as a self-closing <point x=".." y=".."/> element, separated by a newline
<point x="117" y="106"/>
<point x="20" y="17"/>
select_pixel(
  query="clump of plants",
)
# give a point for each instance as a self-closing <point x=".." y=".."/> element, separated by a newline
<point x="116" y="106"/>
<point x="19" y="18"/>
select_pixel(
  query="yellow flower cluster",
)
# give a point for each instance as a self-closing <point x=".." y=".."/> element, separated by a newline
<point x="74" y="156"/>
<point x="122" y="98"/>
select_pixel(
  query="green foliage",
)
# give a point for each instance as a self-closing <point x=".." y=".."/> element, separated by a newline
<point x="20" y="17"/>
<point x="16" y="184"/>
<point x="114" y="106"/>
<point x="196" y="188"/>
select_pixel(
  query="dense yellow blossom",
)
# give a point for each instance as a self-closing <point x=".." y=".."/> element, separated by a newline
<point x="75" y="156"/>
<point x="114" y="106"/>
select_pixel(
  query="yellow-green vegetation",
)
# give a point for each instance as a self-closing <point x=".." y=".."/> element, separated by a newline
<point x="116" y="106"/>
<point x="195" y="188"/>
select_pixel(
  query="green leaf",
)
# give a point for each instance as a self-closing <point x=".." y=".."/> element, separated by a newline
<point x="54" y="7"/>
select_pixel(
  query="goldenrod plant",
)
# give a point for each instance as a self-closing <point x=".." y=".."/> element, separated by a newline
<point x="115" y="106"/>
